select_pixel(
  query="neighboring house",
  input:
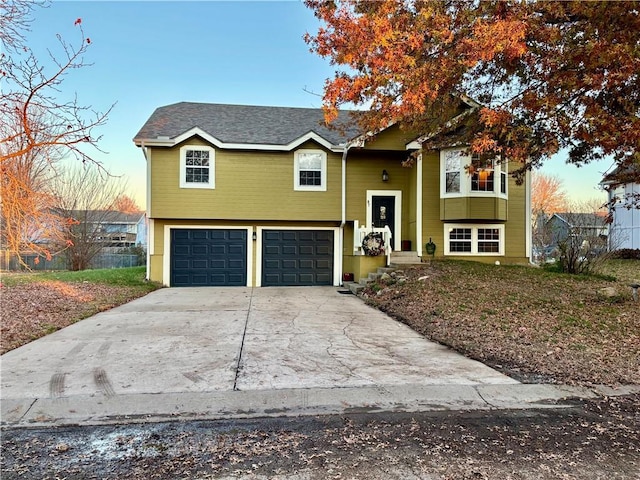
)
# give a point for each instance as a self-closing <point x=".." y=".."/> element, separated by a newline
<point x="261" y="196"/>
<point x="141" y="231"/>
<point x="623" y="190"/>
<point x="583" y="227"/>
<point x="112" y="229"/>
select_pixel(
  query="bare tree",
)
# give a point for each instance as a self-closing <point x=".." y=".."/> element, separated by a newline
<point x="86" y="198"/>
<point x="37" y="129"/>
<point x="580" y="236"/>
<point x="15" y="20"/>
<point x="29" y="225"/>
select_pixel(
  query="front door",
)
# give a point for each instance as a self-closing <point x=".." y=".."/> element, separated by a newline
<point x="383" y="213"/>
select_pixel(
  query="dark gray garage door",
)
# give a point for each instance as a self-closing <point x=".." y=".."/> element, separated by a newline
<point x="208" y="257"/>
<point x="297" y="257"/>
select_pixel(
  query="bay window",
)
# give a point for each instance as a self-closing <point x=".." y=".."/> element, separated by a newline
<point x="472" y="175"/>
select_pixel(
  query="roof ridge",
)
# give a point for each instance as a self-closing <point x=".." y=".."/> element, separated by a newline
<point x="186" y="102"/>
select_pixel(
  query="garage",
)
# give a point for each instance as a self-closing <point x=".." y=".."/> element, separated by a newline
<point x="208" y="257"/>
<point x="297" y="257"/>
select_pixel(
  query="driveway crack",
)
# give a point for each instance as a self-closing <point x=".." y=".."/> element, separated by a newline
<point x="24" y="415"/>
<point x="244" y="334"/>
<point x="482" y="397"/>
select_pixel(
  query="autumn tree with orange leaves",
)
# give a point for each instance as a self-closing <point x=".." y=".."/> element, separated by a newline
<point x="125" y="204"/>
<point x="547" y="195"/>
<point x="37" y="129"/>
<point x="547" y="75"/>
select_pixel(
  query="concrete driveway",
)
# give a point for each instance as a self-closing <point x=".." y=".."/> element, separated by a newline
<point x="230" y="352"/>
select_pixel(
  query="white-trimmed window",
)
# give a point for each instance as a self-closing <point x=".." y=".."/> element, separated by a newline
<point x="471" y="175"/>
<point x="452" y="171"/>
<point x="310" y="170"/>
<point x="197" y="167"/>
<point x="464" y="239"/>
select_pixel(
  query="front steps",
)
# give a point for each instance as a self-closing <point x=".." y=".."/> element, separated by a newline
<point x="405" y="258"/>
<point x="398" y="261"/>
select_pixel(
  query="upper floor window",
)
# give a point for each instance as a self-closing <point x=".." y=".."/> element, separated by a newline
<point x="310" y="170"/>
<point x="452" y="168"/>
<point x="475" y="175"/>
<point x="197" y="167"/>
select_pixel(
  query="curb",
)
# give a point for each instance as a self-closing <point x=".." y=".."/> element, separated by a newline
<point x="218" y="405"/>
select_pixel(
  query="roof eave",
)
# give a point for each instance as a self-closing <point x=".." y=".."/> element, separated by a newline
<point x="163" y="141"/>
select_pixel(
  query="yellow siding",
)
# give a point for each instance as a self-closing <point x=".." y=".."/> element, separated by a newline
<point x="347" y="246"/>
<point x="362" y="265"/>
<point x="516" y="226"/>
<point x="431" y="224"/>
<point x="393" y="138"/>
<point x="249" y="185"/>
<point x="473" y="208"/>
<point x="155" y="270"/>
<point x="411" y="201"/>
<point x="364" y="172"/>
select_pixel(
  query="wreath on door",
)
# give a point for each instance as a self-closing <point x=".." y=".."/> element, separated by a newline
<point x="373" y="244"/>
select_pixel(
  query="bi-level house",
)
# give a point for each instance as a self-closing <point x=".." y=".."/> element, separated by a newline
<point x="266" y="196"/>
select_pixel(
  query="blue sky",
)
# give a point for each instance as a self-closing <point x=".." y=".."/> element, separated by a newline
<point x="147" y="54"/>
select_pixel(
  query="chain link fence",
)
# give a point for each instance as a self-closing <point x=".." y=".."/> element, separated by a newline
<point x="10" y="262"/>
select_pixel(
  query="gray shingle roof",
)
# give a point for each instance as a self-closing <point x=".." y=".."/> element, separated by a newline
<point x="106" y="216"/>
<point x="244" y="124"/>
<point x="623" y="174"/>
<point x="582" y="219"/>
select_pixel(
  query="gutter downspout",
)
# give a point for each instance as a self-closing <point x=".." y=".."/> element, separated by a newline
<point x="148" y="199"/>
<point x="344" y="184"/>
<point x="419" y="206"/>
<point x="343" y="219"/>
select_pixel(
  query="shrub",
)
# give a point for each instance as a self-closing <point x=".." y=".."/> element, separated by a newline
<point x="627" y="254"/>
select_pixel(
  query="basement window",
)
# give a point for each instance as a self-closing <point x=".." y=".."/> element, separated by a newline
<point x="464" y="239"/>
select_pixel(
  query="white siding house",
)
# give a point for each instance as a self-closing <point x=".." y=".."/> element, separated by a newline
<point x="624" y="206"/>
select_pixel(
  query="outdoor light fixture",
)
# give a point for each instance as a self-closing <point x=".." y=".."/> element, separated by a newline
<point x="254" y="236"/>
<point x="385" y="176"/>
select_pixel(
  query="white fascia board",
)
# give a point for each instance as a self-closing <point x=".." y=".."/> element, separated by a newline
<point x="470" y="101"/>
<point x="153" y="142"/>
<point x="311" y="136"/>
<point x="164" y="142"/>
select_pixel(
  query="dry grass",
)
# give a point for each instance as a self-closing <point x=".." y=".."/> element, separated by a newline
<point x="532" y="324"/>
<point x="36" y="304"/>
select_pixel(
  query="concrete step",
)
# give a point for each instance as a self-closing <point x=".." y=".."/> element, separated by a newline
<point x="373" y="276"/>
<point x="413" y="253"/>
<point x="404" y="258"/>
<point x="382" y="270"/>
<point x="353" y="287"/>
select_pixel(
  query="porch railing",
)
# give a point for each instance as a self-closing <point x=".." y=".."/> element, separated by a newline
<point x="360" y="232"/>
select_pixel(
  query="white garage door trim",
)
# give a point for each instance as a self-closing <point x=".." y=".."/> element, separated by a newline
<point x="166" y="259"/>
<point x="337" y="254"/>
